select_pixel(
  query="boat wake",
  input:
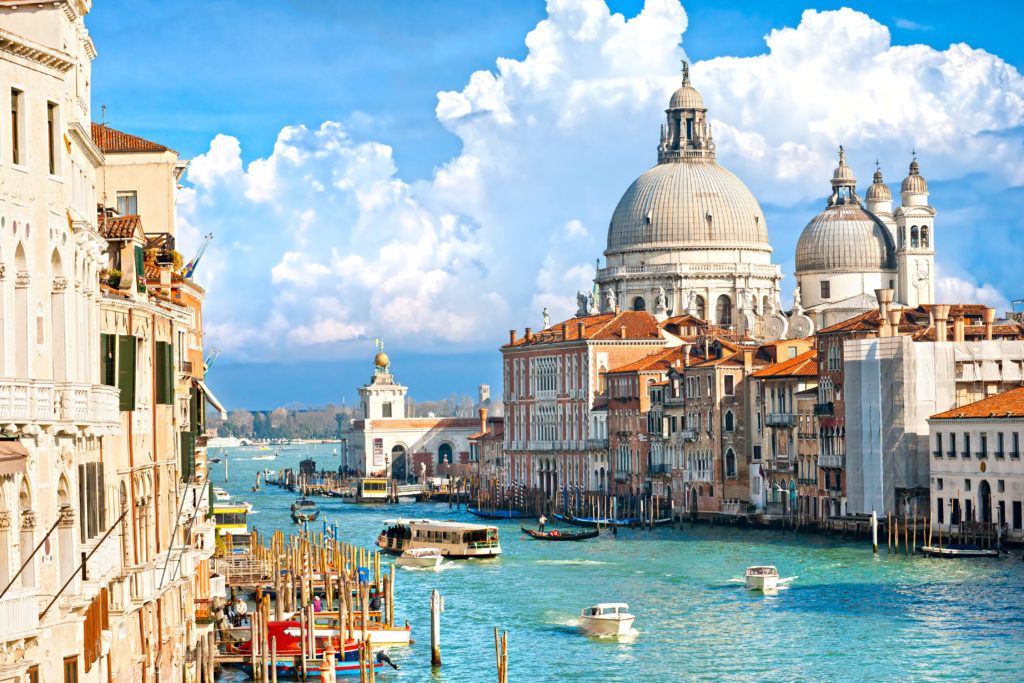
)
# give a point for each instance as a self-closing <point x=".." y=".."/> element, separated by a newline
<point x="444" y="566"/>
<point x="569" y="562"/>
<point x="624" y="638"/>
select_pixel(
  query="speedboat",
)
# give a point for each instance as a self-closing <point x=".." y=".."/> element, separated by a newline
<point x="304" y="510"/>
<point x="420" y="557"/>
<point x="607" y="619"/>
<point x="762" y="578"/>
<point x="220" y="495"/>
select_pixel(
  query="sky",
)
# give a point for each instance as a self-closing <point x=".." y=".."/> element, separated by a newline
<point x="437" y="173"/>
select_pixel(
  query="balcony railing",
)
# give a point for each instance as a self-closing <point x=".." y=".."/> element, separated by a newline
<point x="660" y="468"/>
<point x="1000" y="454"/>
<point x="780" y="419"/>
<point x="597" y="444"/>
<point x="950" y="454"/>
<point x="824" y="409"/>
<point x="937" y="454"/>
<point x="834" y="461"/>
<point x="218" y="587"/>
<point x="106" y="561"/>
<point x="622" y="475"/>
<point x="982" y="455"/>
<point x="780" y="465"/>
<point x="19" y="614"/>
<point x="53" y="403"/>
<point x="688" y="434"/>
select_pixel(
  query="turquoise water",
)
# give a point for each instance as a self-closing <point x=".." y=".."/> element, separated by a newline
<point x="848" y="616"/>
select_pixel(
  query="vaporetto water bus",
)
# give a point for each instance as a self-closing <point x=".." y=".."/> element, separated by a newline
<point x="454" y="539"/>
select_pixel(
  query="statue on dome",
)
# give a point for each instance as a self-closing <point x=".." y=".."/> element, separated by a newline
<point x="691" y="302"/>
<point x="582" y="307"/>
<point x="609" y="301"/>
<point x="661" y="301"/>
<point x="591" y="304"/>
<point x="797" y="307"/>
<point x="547" y="318"/>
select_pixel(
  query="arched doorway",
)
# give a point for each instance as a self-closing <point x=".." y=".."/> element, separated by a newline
<point x="984" y="502"/>
<point x="399" y="465"/>
<point x="444" y="458"/>
<point x="639" y="304"/>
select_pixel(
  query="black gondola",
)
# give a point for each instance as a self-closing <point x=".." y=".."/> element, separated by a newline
<point x="558" y="535"/>
<point x="304" y="510"/>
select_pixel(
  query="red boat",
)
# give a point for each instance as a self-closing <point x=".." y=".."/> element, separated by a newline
<point x="290" y="644"/>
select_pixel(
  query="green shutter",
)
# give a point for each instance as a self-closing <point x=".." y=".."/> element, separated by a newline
<point x="169" y="371"/>
<point x="140" y="269"/>
<point x="126" y="370"/>
<point x="188" y="455"/>
<point x="164" y="373"/>
<point x="108" y="359"/>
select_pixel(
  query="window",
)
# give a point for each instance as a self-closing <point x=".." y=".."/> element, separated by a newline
<point x="940" y="511"/>
<point x="938" y="484"/>
<point x="17" y="134"/>
<point x="639" y="304"/>
<point x="709" y="385"/>
<point x="967" y="447"/>
<point x="128" y="203"/>
<point x="33" y="674"/>
<point x="826" y="289"/>
<point x="757" y="453"/>
<point x="711" y="420"/>
<point x="701" y="313"/>
<point x="1015" y="453"/>
<point x="729" y="421"/>
<point x="52" y="131"/>
<point x="126" y="344"/>
<point x="983" y="451"/>
<point x="729" y="388"/>
<point x="924" y="236"/>
<point x="1000" y="486"/>
<point x="385" y="409"/>
<point x="730" y="463"/>
<point x="92" y="510"/>
<point x="952" y="445"/>
<point x="1016" y="515"/>
<point x="71" y="670"/>
<point x="967" y="484"/>
<point x="914" y="242"/>
<point x="723" y="311"/>
<point x="938" y="445"/>
<point x="164" y="373"/>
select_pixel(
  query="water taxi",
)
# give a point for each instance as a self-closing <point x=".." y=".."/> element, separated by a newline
<point x="230" y="519"/>
<point x="304" y="510"/>
<point x="453" y="539"/>
<point x="607" y="619"/>
<point x="761" y="578"/>
<point x="420" y="557"/>
<point x="372" y="490"/>
<point x="220" y="495"/>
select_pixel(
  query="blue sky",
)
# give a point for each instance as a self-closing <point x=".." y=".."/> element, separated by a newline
<point x="184" y="74"/>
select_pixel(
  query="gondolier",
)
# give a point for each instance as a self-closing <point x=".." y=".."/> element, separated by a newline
<point x="541" y="521"/>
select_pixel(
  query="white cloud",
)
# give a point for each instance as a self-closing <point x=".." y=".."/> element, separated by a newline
<point x="345" y="249"/>
<point x="952" y="289"/>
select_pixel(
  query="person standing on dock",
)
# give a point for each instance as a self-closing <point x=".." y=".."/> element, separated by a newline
<point x="541" y="521"/>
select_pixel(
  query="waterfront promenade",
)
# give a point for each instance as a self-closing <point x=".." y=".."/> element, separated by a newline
<point x="848" y="616"/>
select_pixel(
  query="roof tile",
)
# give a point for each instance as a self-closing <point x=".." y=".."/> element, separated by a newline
<point x="1007" y="404"/>
<point x="111" y="141"/>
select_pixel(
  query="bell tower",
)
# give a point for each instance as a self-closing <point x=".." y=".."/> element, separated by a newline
<point x="383" y="397"/>
<point x="915" y="241"/>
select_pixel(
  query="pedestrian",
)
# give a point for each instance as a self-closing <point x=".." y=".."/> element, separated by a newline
<point x="541" y="521"/>
<point x="374" y="601"/>
<point x="317" y="606"/>
<point x="241" y="609"/>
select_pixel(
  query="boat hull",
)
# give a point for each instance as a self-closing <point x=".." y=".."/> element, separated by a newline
<point x="595" y="626"/>
<point x="288" y="670"/>
<point x="561" y="536"/>
<point x="958" y="551"/>
<point x="424" y="562"/>
<point x="498" y="514"/>
<point x="605" y="521"/>
<point x="762" y="583"/>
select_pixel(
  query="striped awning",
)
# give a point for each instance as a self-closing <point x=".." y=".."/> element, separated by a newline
<point x="12" y="457"/>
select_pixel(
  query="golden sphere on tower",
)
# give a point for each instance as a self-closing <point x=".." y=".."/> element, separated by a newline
<point x="381" y="360"/>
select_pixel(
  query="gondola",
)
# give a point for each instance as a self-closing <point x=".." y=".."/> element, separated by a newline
<point x="606" y="521"/>
<point x="304" y="510"/>
<point x="558" y="535"/>
<point x="498" y="514"/>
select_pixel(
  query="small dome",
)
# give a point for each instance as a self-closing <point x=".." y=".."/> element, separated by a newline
<point x="914" y="182"/>
<point x="686" y="97"/>
<point x="381" y="360"/>
<point x="879" y="191"/>
<point x="844" y="238"/>
<point x="843" y="175"/>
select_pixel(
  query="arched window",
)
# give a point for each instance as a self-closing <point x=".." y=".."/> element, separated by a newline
<point x="730" y="463"/>
<point x="729" y="421"/>
<point x="924" y="236"/>
<point x="764" y="305"/>
<point x="711" y="420"/>
<point x="701" y="313"/>
<point x="639" y="304"/>
<point x="723" y="311"/>
<point x="914" y="241"/>
<point x="444" y="454"/>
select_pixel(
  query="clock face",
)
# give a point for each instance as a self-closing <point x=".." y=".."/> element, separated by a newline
<point x="922" y="275"/>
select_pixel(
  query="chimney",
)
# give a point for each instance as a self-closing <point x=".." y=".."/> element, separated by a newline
<point x="483" y="420"/>
<point x="941" y="320"/>
<point x="511" y="336"/>
<point x="618" y="309"/>
<point x="622" y="332"/>
<point x="581" y="329"/>
<point x="884" y="297"/>
<point x="748" y="359"/>
<point x="894" y="321"/>
<point x="565" y="331"/>
<point x="988" y="315"/>
<point x="958" y="327"/>
<point x="686" y="353"/>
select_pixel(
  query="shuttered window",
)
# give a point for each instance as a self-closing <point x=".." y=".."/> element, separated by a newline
<point x="108" y="359"/>
<point x="91" y="500"/>
<point x="126" y="370"/>
<point x="140" y="269"/>
<point x="164" y="373"/>
<point x="188" y="456"/>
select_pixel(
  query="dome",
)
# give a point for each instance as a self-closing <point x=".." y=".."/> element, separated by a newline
<point x="843" y="175"/>
<point x="844" y="238"/>
<point x="686" y="97"/>
<point x="914" y="182"/>
<point x="687" y="204"/>
<point x="878" y="191"/>
<point x="381" y="360"/>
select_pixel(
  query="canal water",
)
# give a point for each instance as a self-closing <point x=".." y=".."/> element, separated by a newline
<point x="848" y="616"/>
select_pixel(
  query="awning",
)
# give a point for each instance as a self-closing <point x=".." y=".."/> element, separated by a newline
<point x="12" y="457"/>
<point x="212" y="399"/>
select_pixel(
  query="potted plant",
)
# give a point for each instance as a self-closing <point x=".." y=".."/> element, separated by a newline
<point x="114" y="278"/>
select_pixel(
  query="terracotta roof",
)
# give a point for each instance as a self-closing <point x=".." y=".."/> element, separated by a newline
<point x="1007" y="404"/>
<point x="659" y="361"/>
<point x="639" y="325"/>
<point x="495" y="430"/>
<point x="120" y="227"/>
<point x="112" y="141"/>
<point x="424" y="423"/>
<point x="803" y="365"/>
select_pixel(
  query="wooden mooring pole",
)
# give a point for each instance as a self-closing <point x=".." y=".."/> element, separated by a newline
<point x="874" y="532"/>
<point x="436" y="607"/>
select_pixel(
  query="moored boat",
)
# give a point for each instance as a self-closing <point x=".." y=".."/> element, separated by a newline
<point x="289" y="670"/>
<point x="608" y="521"/>
<point x="958" y="551"/>
<point x="558" y="535"/>
<point x="498" y="514"/>
<point x="761" y="578"/>
<point x="453" y="539"/>
<point x="607" y="619"/>
<point x="304" y="510"/>
<point x="420" y="557"/>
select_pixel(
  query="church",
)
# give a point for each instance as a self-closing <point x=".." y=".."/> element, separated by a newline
<point x="688" y="237"/>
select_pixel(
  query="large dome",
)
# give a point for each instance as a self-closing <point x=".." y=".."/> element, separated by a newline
<point x="845" y="238"/>
<point x="687" y="204"/>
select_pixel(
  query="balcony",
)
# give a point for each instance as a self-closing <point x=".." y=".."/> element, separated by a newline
<point x="832" y="461"/>
<point x="186" y="367"/>
<point x="937" y="454"/>
<point x="1000" y="454"/>
<point x="780" y="465"/>
<point x="19" y="614"/>
<point x="70" y="404"/>
<point x="596" y="444"/>
<point x="105" y="563"/>
<point x="1015" y="454"/>
<point x="622" y="475"/>
<point x="780" y="419"/>
<point x="687" y="434"/>
<point x="824" y="409"/>
<point x="982" y="455"/>
<point x="660" y="468"/>
<point x="950" y="454"/>
<point x="965" y="454"/>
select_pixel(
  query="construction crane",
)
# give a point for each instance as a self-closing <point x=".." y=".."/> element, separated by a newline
<point x="190" y="267"/>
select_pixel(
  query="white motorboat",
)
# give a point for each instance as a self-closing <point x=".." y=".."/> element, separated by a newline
<point x="607" y="619"/>
<point x="762" y="578"/>
<point x="220" y="495"/>
<point x="420" y="557"/>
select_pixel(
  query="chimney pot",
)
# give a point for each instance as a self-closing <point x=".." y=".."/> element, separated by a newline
<point x="581" y="329"/>
<point x="511" y="336"/>
<point x="565" y="330"/>
<point x="941" y="312"/>
<point x="622" y="331"/>
<point x="988" y="316"/>
<point x="529" y="334"/>
<point x="483" y="420"/>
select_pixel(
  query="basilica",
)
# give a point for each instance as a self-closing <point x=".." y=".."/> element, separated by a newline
<point x="688" y="237"/>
